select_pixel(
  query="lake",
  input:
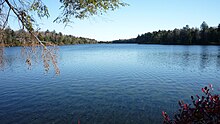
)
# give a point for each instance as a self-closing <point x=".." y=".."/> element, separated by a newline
<point x="106" y="83"/>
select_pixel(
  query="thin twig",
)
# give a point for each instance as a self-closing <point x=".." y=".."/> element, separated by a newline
<point x="2" y="3"/>
<point x="6" y="21"/>
<point x="24" y="24"/>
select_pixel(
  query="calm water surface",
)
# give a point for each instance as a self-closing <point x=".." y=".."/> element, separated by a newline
<point x="106" y="84"/>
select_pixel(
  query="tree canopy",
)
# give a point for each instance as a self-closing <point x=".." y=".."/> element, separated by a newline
<point x="14" y="38"/>
<point x="186" y="36"/>
<point x="70" y="9"/>
<point x="85" y="8"/>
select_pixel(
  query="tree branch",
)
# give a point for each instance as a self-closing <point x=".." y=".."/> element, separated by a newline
<point x="2" y="3"/>
<point x="6" y="21"/>
<point x="21" y="18"/>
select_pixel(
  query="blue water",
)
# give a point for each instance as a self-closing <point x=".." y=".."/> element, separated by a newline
<point x="105" y="83"/>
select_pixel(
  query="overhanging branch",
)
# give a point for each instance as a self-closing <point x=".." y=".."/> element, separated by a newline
<point x="6" y="21"/>
<point x="21" y="17"/>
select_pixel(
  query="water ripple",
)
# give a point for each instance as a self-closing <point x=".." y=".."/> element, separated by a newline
<point x="102" y="84"/>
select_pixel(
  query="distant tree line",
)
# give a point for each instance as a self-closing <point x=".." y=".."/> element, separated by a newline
<point x="186" y="36"/>
<point x="133" y="40"/>
<point x="19" y="37"/>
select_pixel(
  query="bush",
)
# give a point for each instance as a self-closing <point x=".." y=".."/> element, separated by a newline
<point x="203" y="110"/>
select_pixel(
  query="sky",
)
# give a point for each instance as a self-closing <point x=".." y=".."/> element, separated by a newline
<point x="141" y="16"/>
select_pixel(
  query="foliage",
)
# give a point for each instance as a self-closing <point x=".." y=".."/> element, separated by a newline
<point x="203" y="110"/>
<point x="85" y="8"/>
<point x="18" y="38"/>
<point x="25" y="10"/>
<point x="133" y="40"/>
<point x="204" y="25"/>
<point x="185" y="36"/>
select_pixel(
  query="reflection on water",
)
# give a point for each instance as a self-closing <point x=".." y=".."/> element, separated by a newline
<point x="186" y="56"/>
<point x="204" y="57"/>
<point x="218" y="59"/>
<point x="106" y="84"/>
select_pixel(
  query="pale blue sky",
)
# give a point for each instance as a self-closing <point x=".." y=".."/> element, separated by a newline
<point x="140" y="17"/>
